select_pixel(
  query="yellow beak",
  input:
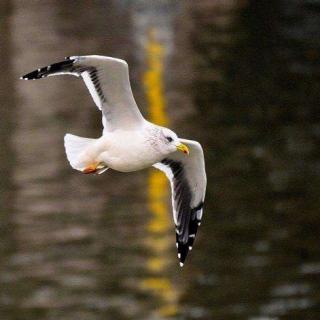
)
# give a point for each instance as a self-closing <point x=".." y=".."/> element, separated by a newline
<point x="183" y="148"/>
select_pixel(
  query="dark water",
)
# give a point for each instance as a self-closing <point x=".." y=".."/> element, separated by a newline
<point x="242" y="77"/>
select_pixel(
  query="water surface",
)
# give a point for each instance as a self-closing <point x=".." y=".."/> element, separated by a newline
<point x="241" y="78"/>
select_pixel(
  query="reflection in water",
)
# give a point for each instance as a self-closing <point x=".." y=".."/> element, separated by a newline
<point x="46" y="274"/>
<point x="7" y="105"/>
<point x="253" y="67"/>
<point x="160" y="224"/>
<point x="79" y="247"/>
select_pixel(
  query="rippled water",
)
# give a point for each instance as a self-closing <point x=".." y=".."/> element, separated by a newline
<point x="240" y="77"/>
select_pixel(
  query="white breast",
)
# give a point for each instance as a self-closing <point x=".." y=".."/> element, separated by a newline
<point x="127" y="150"/>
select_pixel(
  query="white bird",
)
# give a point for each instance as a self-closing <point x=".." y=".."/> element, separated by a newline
<point x="130" y="143"/>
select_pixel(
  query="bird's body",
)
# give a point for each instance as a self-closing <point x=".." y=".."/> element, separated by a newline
<point x="131" y="143"/>
<point x="113" y="149"/>
<point x="121" y="156"/>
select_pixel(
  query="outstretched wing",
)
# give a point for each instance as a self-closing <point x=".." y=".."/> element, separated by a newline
<point x="188" y="185"/>
<point x="107" y="80"/>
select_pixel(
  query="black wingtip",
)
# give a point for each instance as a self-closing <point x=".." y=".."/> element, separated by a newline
<point x="49" y="70"/>
<point x="184" y="246"/>
<point x="32" y="75"/>
<point x="183" y="250"/>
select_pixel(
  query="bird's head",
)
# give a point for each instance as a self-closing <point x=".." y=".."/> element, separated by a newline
<point x="171" y="142"/>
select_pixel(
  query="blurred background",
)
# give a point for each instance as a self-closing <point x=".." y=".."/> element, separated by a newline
<point x="240" y="76"/>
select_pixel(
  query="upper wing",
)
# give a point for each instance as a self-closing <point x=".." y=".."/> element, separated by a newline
<point x="108" y="82"/>
<point x="188" y="185"/>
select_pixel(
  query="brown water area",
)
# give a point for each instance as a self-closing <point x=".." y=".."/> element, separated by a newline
<point x="241" y="77"/>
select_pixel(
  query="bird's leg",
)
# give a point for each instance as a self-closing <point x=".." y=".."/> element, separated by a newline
<point x="93" y="168"/>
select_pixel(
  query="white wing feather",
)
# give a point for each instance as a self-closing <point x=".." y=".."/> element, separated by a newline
<point x="107" y="80"/>
<point x="188" y="185"/>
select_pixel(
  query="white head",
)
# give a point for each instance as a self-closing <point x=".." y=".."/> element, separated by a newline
<point x="171" y="142"/>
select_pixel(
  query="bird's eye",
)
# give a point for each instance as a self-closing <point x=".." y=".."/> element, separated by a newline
<point x="169" y="139"/>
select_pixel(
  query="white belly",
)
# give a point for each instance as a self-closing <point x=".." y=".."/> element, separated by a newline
<point x="128" y="151"/>
<point x="128" y="166"/>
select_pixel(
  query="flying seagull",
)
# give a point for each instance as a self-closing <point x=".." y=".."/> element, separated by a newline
<point x="129" y="142"/>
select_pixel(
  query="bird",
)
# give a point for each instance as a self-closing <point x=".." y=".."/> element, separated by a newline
<point x="129" y="142"/>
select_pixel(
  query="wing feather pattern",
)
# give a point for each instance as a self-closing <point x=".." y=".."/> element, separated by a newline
<point x="188" y="184"/>
<point x="107" y="80"/>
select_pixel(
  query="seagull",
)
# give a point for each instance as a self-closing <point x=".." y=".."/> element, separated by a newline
<point x="130" y="143"/>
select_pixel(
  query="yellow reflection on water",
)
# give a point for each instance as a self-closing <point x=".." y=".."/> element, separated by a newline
<point x="158" y="195"/>
<point x="153" y="81"/>
<point x="160" y="239"/>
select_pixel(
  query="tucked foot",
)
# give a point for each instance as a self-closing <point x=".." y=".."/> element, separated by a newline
<point x="95" y="168"/>
<point x="92" y="168"/>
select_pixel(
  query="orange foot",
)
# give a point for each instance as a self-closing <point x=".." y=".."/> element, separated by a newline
<point x="92" y="168"/>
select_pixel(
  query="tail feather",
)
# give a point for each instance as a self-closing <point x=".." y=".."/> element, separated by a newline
<point x="63" y="67"/>
<point x="75" y="149"/>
